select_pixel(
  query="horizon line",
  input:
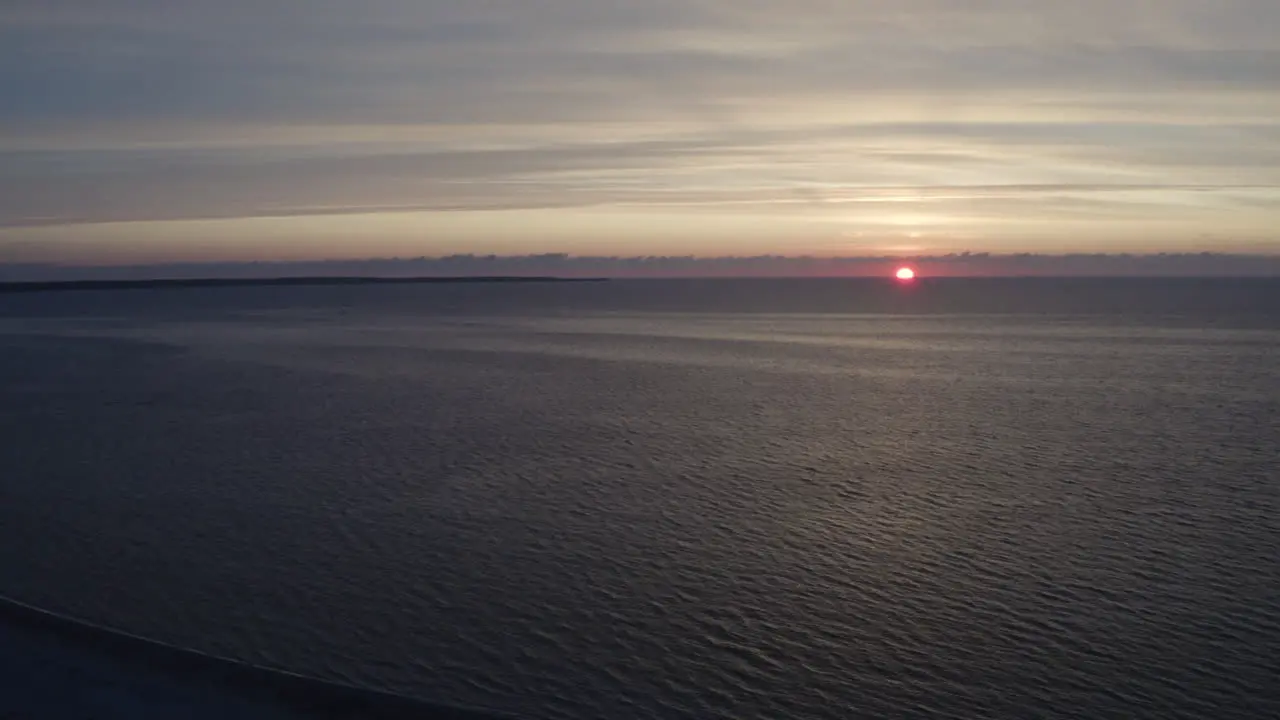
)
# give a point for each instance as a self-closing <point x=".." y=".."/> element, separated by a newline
<point x="568" y="266"/>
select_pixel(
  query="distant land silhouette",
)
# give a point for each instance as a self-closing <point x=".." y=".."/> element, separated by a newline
<point x="53" y="285"/>
<point x="562" y="266"/>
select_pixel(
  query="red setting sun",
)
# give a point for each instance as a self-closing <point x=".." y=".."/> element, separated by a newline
<point x="905" y="273"/>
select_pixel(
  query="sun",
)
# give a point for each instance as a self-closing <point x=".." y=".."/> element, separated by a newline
<point x="905" y="273"/>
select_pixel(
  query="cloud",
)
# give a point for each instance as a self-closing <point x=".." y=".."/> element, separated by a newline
<point x="164" y="110"/>
<point x="913" y="162"/>
<point x="572" y="60"/>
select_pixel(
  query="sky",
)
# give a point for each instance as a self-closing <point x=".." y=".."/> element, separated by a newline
<point x="174" y="131"/>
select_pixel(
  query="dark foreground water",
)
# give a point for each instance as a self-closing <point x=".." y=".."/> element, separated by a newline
<point x="768" y="499"/>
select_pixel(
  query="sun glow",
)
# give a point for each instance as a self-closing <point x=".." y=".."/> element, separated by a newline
<point x="905" y="273"/>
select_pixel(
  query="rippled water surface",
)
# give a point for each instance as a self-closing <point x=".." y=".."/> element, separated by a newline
<point x="769" y="499"/>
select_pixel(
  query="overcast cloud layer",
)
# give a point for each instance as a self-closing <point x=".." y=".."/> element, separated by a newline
<point x="170" y="131"/>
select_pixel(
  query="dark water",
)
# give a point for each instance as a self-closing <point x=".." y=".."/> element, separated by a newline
<point x="768" y="499"/>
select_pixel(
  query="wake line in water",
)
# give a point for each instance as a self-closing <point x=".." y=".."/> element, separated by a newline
<point x="286" y="690"/>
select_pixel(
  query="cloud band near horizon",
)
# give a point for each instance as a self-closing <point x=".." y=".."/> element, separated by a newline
<point x="683" y="266"/>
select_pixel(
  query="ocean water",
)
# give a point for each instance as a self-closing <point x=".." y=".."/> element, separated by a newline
<point x="669" y="499"/>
